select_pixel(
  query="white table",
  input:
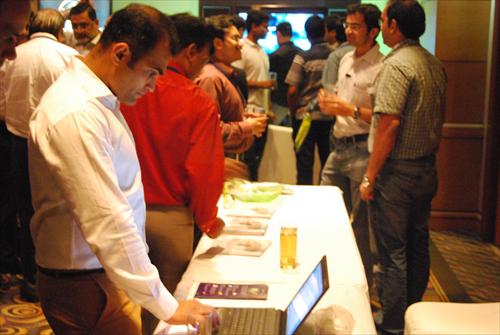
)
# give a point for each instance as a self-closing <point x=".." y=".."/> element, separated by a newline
<point x="323" y="228"/>
<point x="278" y="159"/>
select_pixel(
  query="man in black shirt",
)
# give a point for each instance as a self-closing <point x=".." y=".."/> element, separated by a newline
<point x="280" y="62"/>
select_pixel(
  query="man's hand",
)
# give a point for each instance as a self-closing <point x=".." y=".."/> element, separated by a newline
<point x="217" y="229"/>
<point x="366" y="192"/>
<point x="194" y="313"/>
<point x="258" y="124"/>
<point x="332" y="104"/>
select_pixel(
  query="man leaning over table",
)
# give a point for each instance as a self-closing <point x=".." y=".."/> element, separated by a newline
<point x="177" y="134"/>
<point x="88" y="226"/>
<point x="401" y="177"/>
<point x="352" y="107"/>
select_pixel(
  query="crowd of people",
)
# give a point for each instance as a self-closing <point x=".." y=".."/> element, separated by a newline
<point x="115" y="145"/>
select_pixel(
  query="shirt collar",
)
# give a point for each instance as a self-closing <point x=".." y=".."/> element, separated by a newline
<point x="176" y="67"/>
<point x="43" y="35"/>
<point x="371" y="56"/>
<point x="402" y="44"/>
<point x="92" y="42"/>
<point x="224" y="68"/>
<point x="92" y="84"/>
<point x="251" y="43"/>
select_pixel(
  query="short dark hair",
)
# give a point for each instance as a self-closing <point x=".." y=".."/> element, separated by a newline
<point x="238" y="22"/>
<point x="46" y="20"/>
<point x="285" y="28"/>
<point x="219" y="24"/>
<point x="409" y="16"/>
<point x="142" y="27"/>
<point x="315" y="27"/>
<point x="334" y="22"/>
<point x="256" y="17"/>
<point x="83" y="7"/>
<point x="191" y="29"/>
<point x="370" y="13"/>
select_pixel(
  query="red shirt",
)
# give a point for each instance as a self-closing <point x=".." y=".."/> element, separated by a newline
<point x="177" y="134"/>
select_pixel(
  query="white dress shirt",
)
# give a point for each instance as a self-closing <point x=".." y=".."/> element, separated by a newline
<point x="355" y="84"/>
<point x="82" y="48"/>
<point x="87" y="191"/>
<point x="39" y="62"/>
<point x="255" y="62"/>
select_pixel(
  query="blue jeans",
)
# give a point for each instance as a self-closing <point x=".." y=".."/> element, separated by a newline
<point x="344" y="168"/>
<point x="400" y="213"/>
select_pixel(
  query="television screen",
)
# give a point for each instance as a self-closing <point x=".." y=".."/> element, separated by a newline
<point x="297" y="20"/>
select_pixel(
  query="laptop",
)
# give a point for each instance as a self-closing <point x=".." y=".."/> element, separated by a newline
<point x="269" y="321"/>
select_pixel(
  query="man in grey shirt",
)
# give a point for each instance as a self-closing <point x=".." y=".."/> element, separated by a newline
<point x="401" y="177"/>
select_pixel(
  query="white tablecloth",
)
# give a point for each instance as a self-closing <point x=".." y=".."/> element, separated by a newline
<point x="278" y="160"/>
<point x="323" y="228"/>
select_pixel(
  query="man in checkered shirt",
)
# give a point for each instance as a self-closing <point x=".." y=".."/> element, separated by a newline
<point x="401" y="177"/>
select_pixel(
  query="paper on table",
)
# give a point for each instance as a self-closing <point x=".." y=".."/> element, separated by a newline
<point x="238" y="246"/>
<point x="246" y="226"/>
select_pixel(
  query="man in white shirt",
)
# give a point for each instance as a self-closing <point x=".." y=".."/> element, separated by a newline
<point x="85" y="25"/>
<point x="39" y="63"/>
<point x="352" y="107"/>
<point x="14" y="15"/>
<point x="255" y="62"/>
<point x="88" y="226"/>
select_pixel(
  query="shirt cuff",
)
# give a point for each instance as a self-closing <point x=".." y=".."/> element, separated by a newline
<point x="164" y="306"/>
<point x="246" y="129"/>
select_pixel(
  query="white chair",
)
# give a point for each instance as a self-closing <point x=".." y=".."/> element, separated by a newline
<point x="453" y="318"/>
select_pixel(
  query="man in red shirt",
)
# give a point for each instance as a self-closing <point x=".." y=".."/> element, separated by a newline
<point x="178" y="138"/>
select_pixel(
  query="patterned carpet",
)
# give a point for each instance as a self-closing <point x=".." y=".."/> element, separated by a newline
<point x="463" y="269"/>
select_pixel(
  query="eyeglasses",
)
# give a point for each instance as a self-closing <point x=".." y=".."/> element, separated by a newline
<point x="353" y="26"/>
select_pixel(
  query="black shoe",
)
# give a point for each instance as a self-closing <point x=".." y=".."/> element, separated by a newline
<point x="28" y="292"/>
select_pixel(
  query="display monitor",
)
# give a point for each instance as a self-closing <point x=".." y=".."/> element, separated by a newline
<point x="296" y="19"/>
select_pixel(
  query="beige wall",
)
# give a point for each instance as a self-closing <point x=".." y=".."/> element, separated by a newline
<point x="462" y="41"/>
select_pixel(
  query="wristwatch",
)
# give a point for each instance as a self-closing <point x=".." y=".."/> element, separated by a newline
<point x="365" y="182"/>
<point x="357" y="113"/>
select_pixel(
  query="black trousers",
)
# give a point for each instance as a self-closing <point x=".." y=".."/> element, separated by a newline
<point x="319" y="135"/>
<point x="24" y="208"/>
<point x="9" y="246"/>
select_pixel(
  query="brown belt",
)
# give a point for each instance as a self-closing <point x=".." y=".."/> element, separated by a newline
<point x="55" y="273"/>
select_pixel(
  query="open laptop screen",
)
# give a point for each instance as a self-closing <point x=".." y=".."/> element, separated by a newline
<point x="307" y="297"/>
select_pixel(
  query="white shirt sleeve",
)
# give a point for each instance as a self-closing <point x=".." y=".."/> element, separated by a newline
<point x="88" y="160"/>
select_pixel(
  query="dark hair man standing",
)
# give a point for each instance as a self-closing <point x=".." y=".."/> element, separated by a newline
<point x="178" y="138"/>
<point x="85" y="25"/>
<point x="401" y="177"/>
<point x="280" y="62"/>
<point x="255" y="62"/>
<point x="304" y="79"/>
<point x="352" y="107"/>
<point x="88" y="226"/>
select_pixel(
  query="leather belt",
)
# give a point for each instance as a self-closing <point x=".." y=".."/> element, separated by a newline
<point x="351" y="139"/>
<point x="55" y="273"/>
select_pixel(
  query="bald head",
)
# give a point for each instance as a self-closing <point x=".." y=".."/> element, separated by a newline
<point x="14" y="15"/>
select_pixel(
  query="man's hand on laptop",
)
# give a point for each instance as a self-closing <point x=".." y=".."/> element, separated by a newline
<point x="194" y="313"/>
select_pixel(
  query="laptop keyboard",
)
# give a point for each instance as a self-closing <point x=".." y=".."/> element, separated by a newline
<point x="249" y="321"/>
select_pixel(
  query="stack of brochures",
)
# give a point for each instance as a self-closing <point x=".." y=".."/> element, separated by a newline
<point x="238" y="246"/>
<point x="246" y="226"/>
